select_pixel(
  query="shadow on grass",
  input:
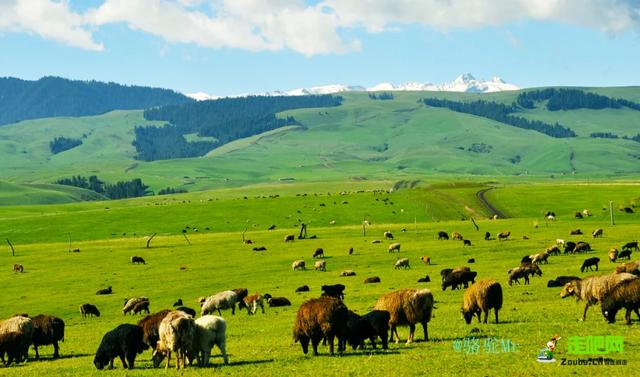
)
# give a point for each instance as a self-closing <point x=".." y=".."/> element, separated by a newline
<point x="62" y="357"/>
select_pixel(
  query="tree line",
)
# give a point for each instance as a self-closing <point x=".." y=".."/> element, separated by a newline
<point x="61" y="144"/>
<point x="119" y="190"/>
<point x="571" y="99"/>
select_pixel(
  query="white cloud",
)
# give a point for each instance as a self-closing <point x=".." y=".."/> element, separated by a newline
<point x="309" y="29"/>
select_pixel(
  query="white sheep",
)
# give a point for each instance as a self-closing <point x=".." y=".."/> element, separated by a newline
<point x="402" y="263"/>
<point x="298" y="265"/>
<point x="177" y="333"/>
<point x="320" y="265"/>
<point x="221" y="300"/>
<point x="210" y="330"/>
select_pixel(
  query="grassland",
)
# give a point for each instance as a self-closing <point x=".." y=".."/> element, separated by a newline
<point x="56" y="281"/>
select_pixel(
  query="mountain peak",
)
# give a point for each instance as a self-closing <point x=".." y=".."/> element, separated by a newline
<point x="465" y="78"/>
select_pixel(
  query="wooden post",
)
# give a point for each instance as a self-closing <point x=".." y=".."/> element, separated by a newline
<point x="474" y="224"/>
<point x="613" y="221"/>
<point x="364" y="228"/>
<point x="69" y="241"/>
<point x="150" y="238"/>
<point x="13" y="251"/>
<point x="185" y="237"/>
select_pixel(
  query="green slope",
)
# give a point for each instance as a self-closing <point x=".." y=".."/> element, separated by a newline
<point x="11" y="193"/>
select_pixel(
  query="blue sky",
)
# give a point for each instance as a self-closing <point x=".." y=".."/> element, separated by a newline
<point x="226" y="47"/>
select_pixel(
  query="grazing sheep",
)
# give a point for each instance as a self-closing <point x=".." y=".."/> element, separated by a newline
<point x="252" y="303"/>
<point x="242" y="293"/>
<point x="304" y="288"/>
<point x="503" y="236"/>
<point x="150" y="327"/>
<point x="586" y="212"/>
<point x="445" y="272"/>
<point x="526" y="260"/>
<point x="629" y="267"/>
<point x="272" y="227"/>
<point x="523" y="272"/>
<point x="487" y="236"/>
<point x="289" y="238"/>
<point x="624" y="295"/>
<point x="18" y="268"/>
<point x="320" y="265"/>
<point x="12" y="343"/>
<point x="627" y="210"/>
<point x="187" y="310"/>
<point x="559" y="242"/>
<point x="348" y="273"/>
<point x="402" y="263"/>
<point x="350" y="250"/>
<point x="598" y="233"/>
<point x="588" y="263"/>
<point x="394" y="247"/>
<point x="276" y="301"/>
<point x="593" y="289"/>
<point x="466" y="243"/>
<point x="425" y="260"/>
<point x="177" y="334"/>
<point x="130" y="303"/>
<point x="458" y="277"/>
<point x="137" y="260"/>
<point x="481" y="297"/>
<point x="456" y="236"/>
<point x="221" y="300"/>
<point x="630" y="245"/>
<point x="613" y="254"/>
<point x="578" y="215"/>
<point x="210" y="330"/>
<point x="259" y="248"/>
<point x="335" y="290"/>
<point x="371" y="325"/>
<point x="552" y="250"/>
<point x="140" y="307"/>
<point x="625" y="254"/>
<point x="19" y="343"/>
<point x="569" y="247"/>
<point x="321" y="318"/>
<point x="407" y="307"/>
<point x="178" y="303"/>
<point x="582" y="247"/>
<point x="89" y="310"/>
<point x="125" y="341"/>
<point x="540" y="257"/>
<point x="105" y="291"/>
<point x="443" y="235"/>
<point x="319" y="253"/>
<point x="298" y="265"/>
<point x="372" y="279"/>
<point x="576" y="232"/>
<point x="47" y="330"/>
<point x="388" y="235"/>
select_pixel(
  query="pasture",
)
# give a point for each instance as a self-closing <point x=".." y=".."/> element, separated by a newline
<point x="56" y="281"/>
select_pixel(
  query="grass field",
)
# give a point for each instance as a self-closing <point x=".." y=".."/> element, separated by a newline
<point x="56" y="281"/>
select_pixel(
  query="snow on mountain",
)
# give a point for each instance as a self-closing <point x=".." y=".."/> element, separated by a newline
<point x="200" y="96"/>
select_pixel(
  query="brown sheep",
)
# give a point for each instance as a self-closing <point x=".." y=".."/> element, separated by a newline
<point x="12" y="344"/>
<point x="624" y="295"/>
<point x="593" y="289"/>
<point x="47" y="330"/>
<point x="540" y="257"/>
<point x="503" y="236"/>
<point x="252" y="303"/>
<point x="407" y="307"/>
<point x="372" y="279"/>
<point x="150" y="325"/>
<point x="481" y="297"/>
<point x="630" y="267"/>
<point x="321" y="318"/>
<point x="141" y="307"/>
<point x="582" y="247"/>
<point x="553" y="250"/>
<point x="425" y="260"/>
<point x="18" y="268"/>
<point x="456" y="236"/>
<point x="89" y="310"/>
<point x="23" y="326"/>
<point x="613" y="254"/>
<point x="523" y="272"/>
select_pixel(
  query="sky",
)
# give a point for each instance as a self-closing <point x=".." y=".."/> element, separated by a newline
<point x="230" y="47"/>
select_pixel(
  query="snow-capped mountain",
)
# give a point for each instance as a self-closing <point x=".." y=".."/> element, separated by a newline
<point x="463" y="83"/>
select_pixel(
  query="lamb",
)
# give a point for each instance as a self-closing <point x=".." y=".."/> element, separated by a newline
<point x="523" y="271"/>
<point x="402" y="263"/>
<point x="394" y="247"/>
<point x="348" y="273"/>
<point x="588" y="263"/>
<point x="140" y="307"/>
<point x="130" y="303"/>
<point x="388" y="235"/>
<point x="253" y="302"/>
<point x="47" y="330"/>
<point x="407" y="307"/>
<point x="104" y="291"/>
<point x="443" y="235"/>
<point x="481" y="297"/>
<point x="630" y="267"/>
<point x="425" y="260"/>
<point x="371" y="325"/>
<point x="320" y="265"/>
<point x="319" y="253"/>
<point x="304" y="288"/>
<point x="298" y="265"/>
<point x="221" y="300"/>
<point x="89" y="310"/>
<point x="18" y="343"/>
<point x="135" y="259"/>
<point x="503" y="236"/>
<point x="125" y="341"/>
<point x="150" y="327"/>
<point x="210" y="330"/>
<point x="318" y="318"/>
<point x="598" y="233"/>
<point x="372" y="279"/>
<point x="455" y="278"/>
<point x="624" y="295"/>
<point x="276" y="301"/>
<point x="177" y="334"/>
<point x="335" y="290"/>
<point x="593" y="289"/>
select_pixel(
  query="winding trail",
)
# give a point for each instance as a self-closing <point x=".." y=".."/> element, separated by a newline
<point x="492" y="210"/>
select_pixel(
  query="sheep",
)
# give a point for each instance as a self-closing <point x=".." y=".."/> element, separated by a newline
<point x="18" y="268"/>
<point x="471" y="260"/>
<point x="150" y="326"/>
<point x="178" y="334"/>
<point x="402" y="263"/>
<point x="210" y="330"/>
<point x="348" y="273"/>
<point x="631" y="245"/>
<point x="481" y="297"/>
<point x="443" y="235"/>
<point x="588" y="263"/>
<point x="425" y="260"/>
<point x="523" y="272"/>
<point x="372" y="279"/>
<point x="137" y="260"/>
<point x="466" y="243"/>
<point x="105" y="291"/>
<point x="612" y="254"/>
<point x="178" y="303"/>
<point x="559" y="242"/>
<point x="407" y="307"/>
<point x="487" y="236"/>
<point x="19" y="344"/>
<point x="187" y="310"/>
<point x="394" y="247"/>
<point x="625" y="254"/>
<point x="371" y="325"/>
<point x="582" y="247"/>
<point x="425" y="279"/>
<point x="597" y="233"/>
<point x="376" y="241"/>
<point x="560" y="281"/>
<point x="540" y="257"/>
<point x="629" y="267"/>
<point x="586" y="212"/>
<point x="125" y="341"/>
<point x="298" y="265"/>
<point x="456" y="236"/>
<point x="576" y="232"/>
<point x="12" y="343"/>
<point x="289" y="238"/>
<point x="318" y="318"/>
<point x="578" y="215"/>
<point x="445" y="272"/>
<point x="253" y="302"/>
<point x="593" y="289"/>
<point x="89" y="310"/>
<point x="319" y="253"/>
<point x="259" y="248"/>
<point x="569" y="246"/>
<point x="130" y="303"/>
<point x="388" y="235"/>
<point x="276" y="301"/>
<point x="242" y="293"/>
<point x="140" y="307"/>
<point x="47" y="330"/>
<point x="552" y="250"/>
<point x="221" y="300"/>
<point x="457" y="277"/>
<point x="350" y="251"/>
<point x="335" y="290"/>
<point x="624" y="295"/>
<point x="320" y="265"/>
<point x="304" y="288"/>
<point x="503" y="236"/>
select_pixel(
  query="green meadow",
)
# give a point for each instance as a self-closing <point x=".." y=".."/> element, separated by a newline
<point x="108" y="233"/>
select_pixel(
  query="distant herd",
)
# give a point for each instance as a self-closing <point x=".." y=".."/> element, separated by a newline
<point x="327" y="318"/>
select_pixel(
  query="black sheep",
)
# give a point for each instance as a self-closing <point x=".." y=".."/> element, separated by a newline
<point x="47" y="330"/>
<point x="456" y="278"/>
<point x="125" y="341"/>
<point x="187" y="310"/>
<point x="335" y="290"/>
<point x="11" y="344"/>
<point x="569" y="247"/>
<point x="304" y="288"/>
<point x="588" y="263"/>
<point x="371" y="325"/>
<point x="276" y="301"/>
